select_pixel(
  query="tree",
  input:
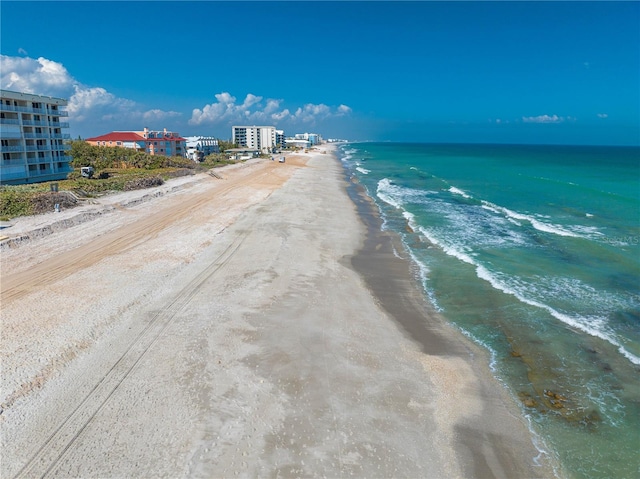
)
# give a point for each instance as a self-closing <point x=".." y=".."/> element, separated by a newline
<point x="226" y="145"/>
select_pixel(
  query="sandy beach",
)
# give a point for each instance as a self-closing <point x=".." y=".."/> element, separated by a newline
<point x="256" y="325"/>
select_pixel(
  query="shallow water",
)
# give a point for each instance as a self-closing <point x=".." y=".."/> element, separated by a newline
<point x="534" y="253"/>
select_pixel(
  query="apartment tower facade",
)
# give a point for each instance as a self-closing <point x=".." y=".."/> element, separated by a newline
<point x="32" y="138"/>
<point x="261" y="138"/>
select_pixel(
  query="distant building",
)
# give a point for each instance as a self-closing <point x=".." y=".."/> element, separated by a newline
<point x="261" y="138"/>
<point x="124" y="139"/>
<point x="200" y="146"/>
<point x="164" y="143"/>
<point x="32" y="138"/>
<point x="241" y="153"/>
<point x="281" y="140"/>
<point x="298" y="143"/>
<point x="314" y="138"/>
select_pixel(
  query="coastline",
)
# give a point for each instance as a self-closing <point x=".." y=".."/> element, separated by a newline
<point x="392" y="276"/>
<point x="289" y="339"/>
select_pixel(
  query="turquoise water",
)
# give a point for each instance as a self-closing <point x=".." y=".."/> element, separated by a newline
<point x="534" y="253"/>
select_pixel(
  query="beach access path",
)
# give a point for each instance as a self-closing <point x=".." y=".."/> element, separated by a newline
<point x="231" y="328"/>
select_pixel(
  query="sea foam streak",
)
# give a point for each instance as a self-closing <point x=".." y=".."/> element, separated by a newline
<point x="485" y="274"/>
<point x="457" y="191"/>
<point x="393" y="195"/>
<point x="539" y="225"/>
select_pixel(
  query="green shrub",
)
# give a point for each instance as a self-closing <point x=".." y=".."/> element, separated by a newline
<point x="14" y="202"/>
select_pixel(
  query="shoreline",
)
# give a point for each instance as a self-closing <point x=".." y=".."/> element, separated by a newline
<point x="385" y="265"/>
<point x="281" y="336"/>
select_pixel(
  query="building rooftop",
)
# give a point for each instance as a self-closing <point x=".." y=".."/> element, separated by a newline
<point x="118" y="136"/>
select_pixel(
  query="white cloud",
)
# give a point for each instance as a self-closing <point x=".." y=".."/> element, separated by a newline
<point x="39" y="76"/>
<point x="86" y="104"/>
<point x="22" y="51"/>
<point x="603" y="115"/>
<point x="93" y="108"/>
<point x="254" y="110"/>
<point x="344" y="110"/>
<point x="543" y="119"/>
<point x="279" y="116"/>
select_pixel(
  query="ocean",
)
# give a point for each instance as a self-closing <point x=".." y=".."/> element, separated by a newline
<point x="533" y="252"/>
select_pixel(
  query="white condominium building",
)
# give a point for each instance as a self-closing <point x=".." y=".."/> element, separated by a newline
<point x="261" y="138"/>
<point x="31" y="135"/>
<point x="200" y="146"/>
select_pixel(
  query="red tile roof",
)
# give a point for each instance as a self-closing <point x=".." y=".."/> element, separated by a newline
<point x="118" y="136"/>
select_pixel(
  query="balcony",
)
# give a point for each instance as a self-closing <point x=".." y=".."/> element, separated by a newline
<point x="11" y="148"/>
<point x="29" y="109"/>
<point x="37" y="135"/>
<point x="11" y="135"/>
<point x="12" y="163"/>
<point x="34" y="123"/>
<point x="6" y="176"/>
<point x="9" y="121"/>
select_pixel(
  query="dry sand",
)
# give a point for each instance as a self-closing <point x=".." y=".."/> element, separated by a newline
<point x="257" y="325"/>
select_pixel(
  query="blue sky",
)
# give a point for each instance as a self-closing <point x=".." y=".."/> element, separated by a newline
<point x="494" y="72"/>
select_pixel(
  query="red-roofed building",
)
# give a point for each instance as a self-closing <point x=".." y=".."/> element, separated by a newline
<point x="165" y="143"/>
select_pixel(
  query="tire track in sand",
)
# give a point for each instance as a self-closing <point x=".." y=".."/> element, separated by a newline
<point x="55" y="447"/>
<point x="16" y="285"/>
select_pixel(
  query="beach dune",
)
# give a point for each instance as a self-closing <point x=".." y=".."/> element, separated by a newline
<point x="258" y="325"/>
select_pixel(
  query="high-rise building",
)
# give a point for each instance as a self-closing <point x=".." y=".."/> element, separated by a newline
<point x="32" y="138"/>
<point x="261" y="138"/>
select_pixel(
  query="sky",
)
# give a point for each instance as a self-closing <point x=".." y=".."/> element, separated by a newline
<point x="463" y="72"/>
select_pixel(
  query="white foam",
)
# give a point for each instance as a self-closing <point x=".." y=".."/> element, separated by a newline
<point x="593" y="326"/>
<point x="537" y="224"/>
<point x="579" y="323"/>
<point x="384" y="192"/>
<point x="364" y="171"/>
<point x="458" y="191"/>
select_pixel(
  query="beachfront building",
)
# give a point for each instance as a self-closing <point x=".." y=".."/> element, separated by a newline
<point x="262" y="138"/>
<point x="313" y="138"/>
<point x="124" y="139"/>
<point x="32" y="138"/>
<point x="240" y="154"/>
<point x="164" y="143"/>
<point x="200" y="146"/>
<point x="281" y="140"/>
<point x="298" y="143"/>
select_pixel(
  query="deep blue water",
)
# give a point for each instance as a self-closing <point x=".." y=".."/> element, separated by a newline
<point x="534" y="253"/>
